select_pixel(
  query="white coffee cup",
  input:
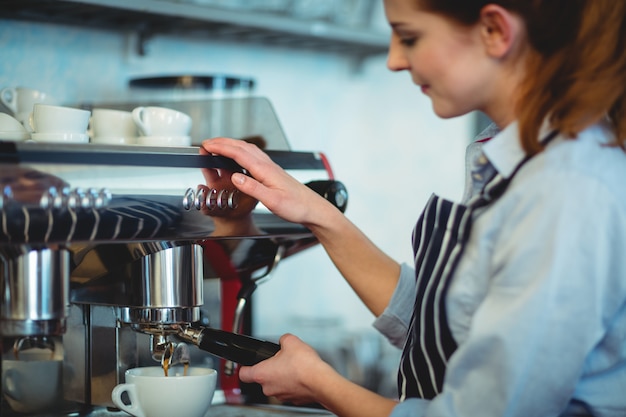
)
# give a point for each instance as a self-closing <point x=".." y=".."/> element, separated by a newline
<point x="112" y="126"/>
<point x="20" y="101"/>
<point x="34" y="382"/>
<point x="151" y="394"/>
<point x="58" y="119"/>
<point x="161" y="121"/>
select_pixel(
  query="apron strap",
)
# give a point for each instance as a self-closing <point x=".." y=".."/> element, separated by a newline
<point x="496" y="186"/>
<point x="439" y="239"/>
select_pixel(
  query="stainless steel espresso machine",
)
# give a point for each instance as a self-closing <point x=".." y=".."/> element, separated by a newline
<point x="115" y="257"/>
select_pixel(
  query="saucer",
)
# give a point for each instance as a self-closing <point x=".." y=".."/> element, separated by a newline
<point x="164" y="140"/>
<point x="61" y="137"/>
<point x="114" y="140"/>
<point x="10" y="124"/>
<point x="14" y="135"/>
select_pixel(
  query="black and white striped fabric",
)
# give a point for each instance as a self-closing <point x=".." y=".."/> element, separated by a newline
<point x="439" y="238"/>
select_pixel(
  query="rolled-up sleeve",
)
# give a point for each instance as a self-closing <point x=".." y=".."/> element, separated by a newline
<point x="393" y="323"/>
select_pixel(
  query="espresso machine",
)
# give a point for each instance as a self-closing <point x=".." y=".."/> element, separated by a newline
<point x="115" y="257"/>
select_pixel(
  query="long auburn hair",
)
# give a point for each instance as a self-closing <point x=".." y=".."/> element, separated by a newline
<point x="576" y="69"/>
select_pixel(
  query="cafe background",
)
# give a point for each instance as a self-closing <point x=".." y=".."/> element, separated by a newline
<point x="376" y="128"/>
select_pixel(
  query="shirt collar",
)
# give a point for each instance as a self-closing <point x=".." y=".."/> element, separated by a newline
<point x="505" y="151"/>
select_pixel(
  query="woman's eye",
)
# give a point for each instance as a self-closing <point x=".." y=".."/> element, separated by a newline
<point x="408" y="41"/>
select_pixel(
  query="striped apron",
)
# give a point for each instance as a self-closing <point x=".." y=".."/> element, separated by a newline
<point x="439" y="238"/>
<point x="122" y="218"/>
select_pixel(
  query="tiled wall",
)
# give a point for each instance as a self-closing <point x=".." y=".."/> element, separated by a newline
<point x="376" y="128"/>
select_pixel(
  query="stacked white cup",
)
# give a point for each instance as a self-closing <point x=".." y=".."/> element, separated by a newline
<point x="20" y="102"/>
<point x="160" y="126"/>
<point x="114" y="127"/>
<point x="59" y="124"/>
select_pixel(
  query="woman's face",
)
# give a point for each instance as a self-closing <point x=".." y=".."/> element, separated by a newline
<point x="447" y="60"/>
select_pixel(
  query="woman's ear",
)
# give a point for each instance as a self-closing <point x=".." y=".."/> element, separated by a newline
<point x="501" y="30"/>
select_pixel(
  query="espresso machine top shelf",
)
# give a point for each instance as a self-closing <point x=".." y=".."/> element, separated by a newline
<point x="87" y="193"/>
<point x="136" y="155"/>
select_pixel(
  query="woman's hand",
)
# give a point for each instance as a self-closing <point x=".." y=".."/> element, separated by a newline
<point x="220" y="179"/>
<point x="369" y="271"/>
<point x="291" y="374"/>
<point x="276" y="189"/>
<point x="297" y="374"/>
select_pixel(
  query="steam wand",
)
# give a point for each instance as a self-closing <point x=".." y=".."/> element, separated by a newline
<point x="244" y="295"/>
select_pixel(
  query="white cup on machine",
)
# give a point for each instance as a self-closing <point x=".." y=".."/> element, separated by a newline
<point x="20" y="101"/>
<point x="152" y="394"/>
<point x="33" y="382"/>
<point x="160" y="126"/>
<point x="59" y="124"/>
<point x="109" y="126"/>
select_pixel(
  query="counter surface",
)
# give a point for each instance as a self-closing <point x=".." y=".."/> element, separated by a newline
<point x="221" y="410"/>
<point x="265" y="411"/>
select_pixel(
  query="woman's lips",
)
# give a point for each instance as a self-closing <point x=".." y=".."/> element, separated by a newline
<point x="425" y="88"/>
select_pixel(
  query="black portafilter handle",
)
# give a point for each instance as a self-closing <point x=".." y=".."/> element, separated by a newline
<point x="238" y="348"/>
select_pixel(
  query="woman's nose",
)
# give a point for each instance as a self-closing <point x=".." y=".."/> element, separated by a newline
<point x="396" y="59"/>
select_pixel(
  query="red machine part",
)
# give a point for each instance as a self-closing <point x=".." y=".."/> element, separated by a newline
<point x="230" y="287"/>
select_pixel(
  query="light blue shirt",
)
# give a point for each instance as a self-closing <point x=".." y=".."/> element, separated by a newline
<point x="537" y="304"/>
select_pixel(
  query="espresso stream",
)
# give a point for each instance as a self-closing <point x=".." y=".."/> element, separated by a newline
<point x="166" y="363"/>
<point x="166" y="368"/>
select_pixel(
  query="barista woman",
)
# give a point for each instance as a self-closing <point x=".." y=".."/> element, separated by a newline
<point x="516" y="305"/>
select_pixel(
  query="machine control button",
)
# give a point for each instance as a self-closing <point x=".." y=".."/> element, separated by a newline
<point x="47" y="198"/>
<point x="222" y="199"/>
<point x="75" y="199"/>
<point x="232" y="201"/>
<point x="86" y="201"/>
<point x="101" y="198"/>
<point x="60" y="198"/>
<point x="200" y="200"/>
<point x="210" y="199"/>
<point x="188" y="198"/>
<point x="56" y="198"/>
